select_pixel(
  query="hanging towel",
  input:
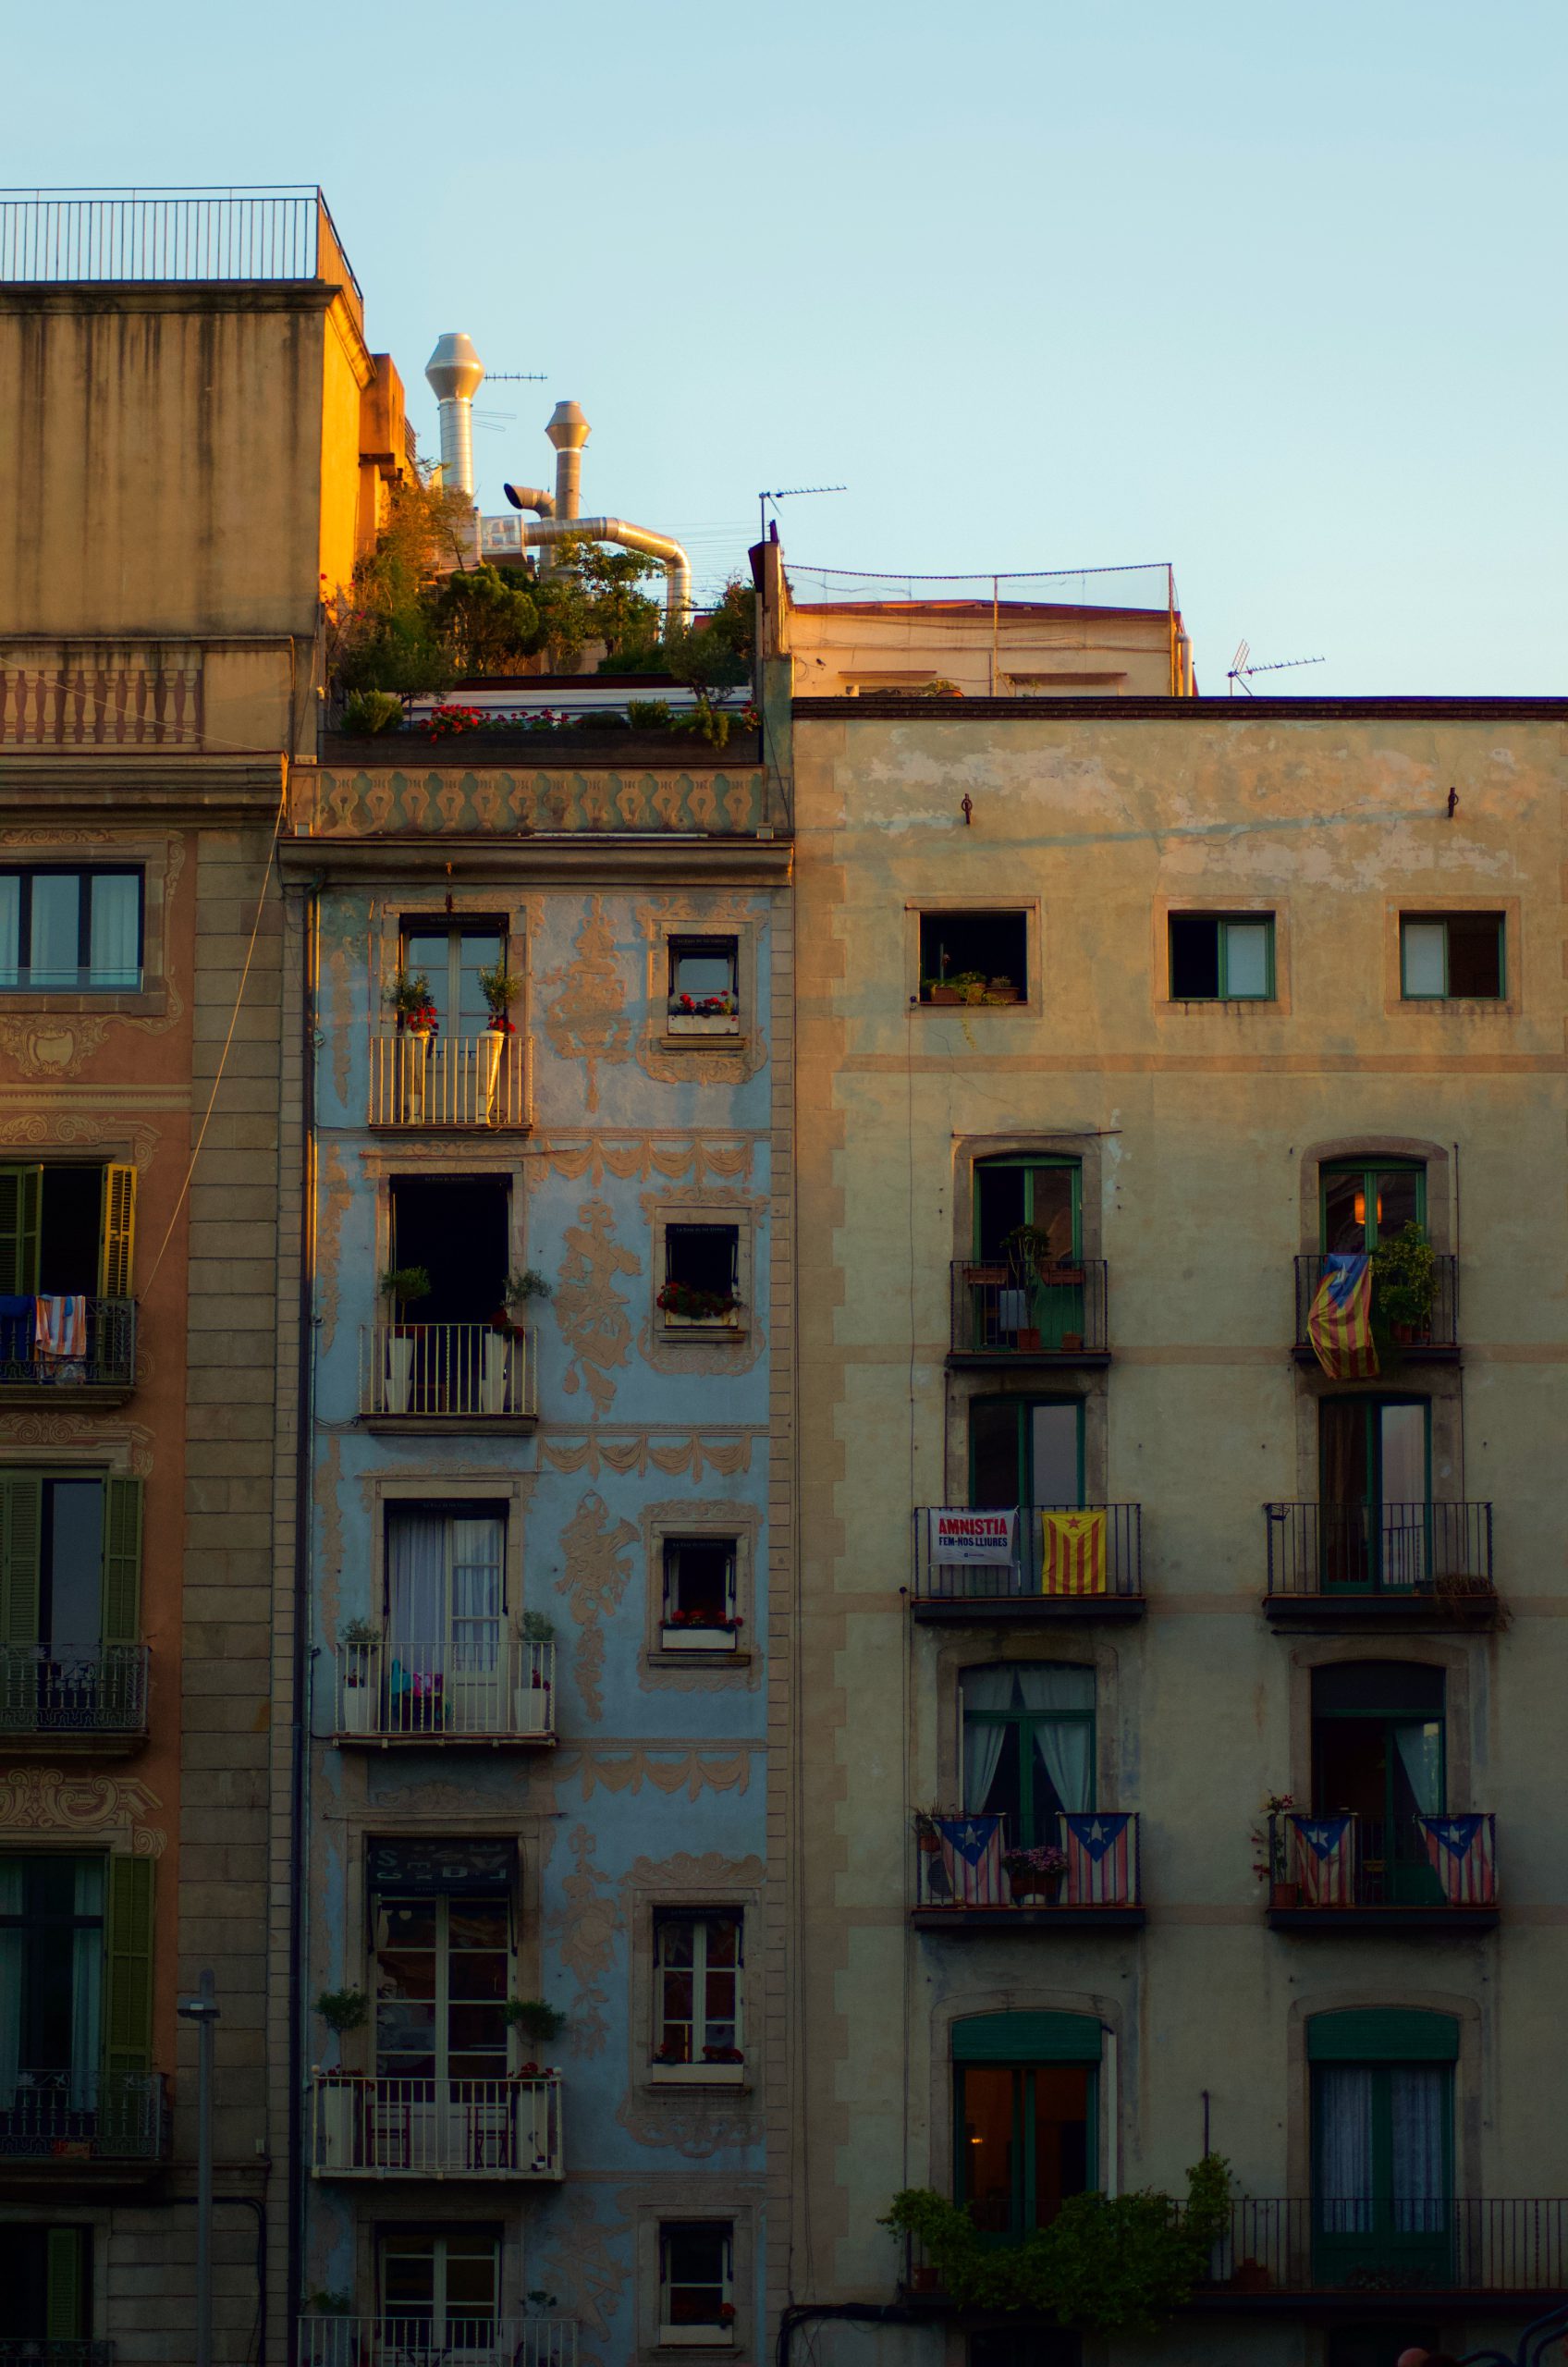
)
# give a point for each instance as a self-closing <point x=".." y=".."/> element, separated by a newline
<point x="62" y="1330"/>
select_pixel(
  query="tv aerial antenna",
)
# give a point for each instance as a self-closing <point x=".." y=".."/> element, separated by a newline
<point x="788" y="493"/>
<point x="1241" y="668"/>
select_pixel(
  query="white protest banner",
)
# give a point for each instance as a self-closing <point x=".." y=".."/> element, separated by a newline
<point x="971" y="1537"/>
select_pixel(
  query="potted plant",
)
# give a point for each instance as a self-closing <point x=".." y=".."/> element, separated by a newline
<point x="926" y="1837"/>
<point x="338" y="2096"/>
<point x="358" y="1641"/>
<point x="1000" y="990"/>
<point x="683" y="1302"/>
<point x="323" y="2304"/>
<point x="533" y="1697"/>
<point x="538" y="2021"/>
<point x="1271" y="1842"/>
<point x="402" y="1286"/>
<point x="938" y="990"/>
<point x="1028" y="1248"/>
<point x="496" y="1351"/>
<point x="1036" y="1873"/>
<point x="1404" y="1283"/>
<point x="971" y="984"/>
<point x="700" y="1631"/>
<point x="500" y="989"/>
<point x="413" y="1004"/>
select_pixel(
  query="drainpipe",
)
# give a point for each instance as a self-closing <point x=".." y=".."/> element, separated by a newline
<point x="677" y="566"/>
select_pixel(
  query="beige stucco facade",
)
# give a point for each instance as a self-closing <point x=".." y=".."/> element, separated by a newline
<point x="1199" y="1129"/>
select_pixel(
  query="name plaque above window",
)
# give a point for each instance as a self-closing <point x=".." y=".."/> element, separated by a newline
<point x="441" y="1865"/>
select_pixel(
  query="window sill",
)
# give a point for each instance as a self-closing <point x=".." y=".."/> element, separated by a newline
<point x="699" y="1326"/>
<point x="696" y="2074"/>
<point x="696" y="2337"/>
<point x="679" y="1656"/>
<point x="952" y="1010"/>
<point x="119" y="1001"/>
<point x="677" y="1034"/>
<point x="698" y="1639"/>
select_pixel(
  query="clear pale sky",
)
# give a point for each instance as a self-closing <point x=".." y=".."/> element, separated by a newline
<point x="1275" y="293"/>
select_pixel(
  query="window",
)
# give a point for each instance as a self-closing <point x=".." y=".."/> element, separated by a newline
<point x="66" y="1231"/>
<point x="44" y="2288"/>
<point x="704" y="998"/>
<point x="440" y="2289"/>
<point x="71" y="1585"/>
<point x="1218" y="957"/>
<point x="446" y="1605"/>
<point x="451" y="959"/>
<point x="974" y="957"/>
<point x="1029" y="1747"/>
<point x="442" y="1925"/>
<point x="1025" y="2100"/>
<point x="1382" y="2145"/>
<point x="456" y="1233"/>
<point x="1378" y="1755"/>
<point x="1026" y="1287"/>
<point x="1377" y="1512"/>
<point x="62" y="931"/>
<point x="699" y="1611"/>
<point x="1451" y="956"/>
<point x="1366" y="1202"/>
<point x="697" y="2281"/>
<point x="701" y="1274"/>
<point x="1027" y="1451"/>
<point x="697" y="1966"/>
<point x="53" y="2017"/>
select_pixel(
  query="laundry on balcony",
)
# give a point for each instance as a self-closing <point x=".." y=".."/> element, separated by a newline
<point x="62" y="1337"/>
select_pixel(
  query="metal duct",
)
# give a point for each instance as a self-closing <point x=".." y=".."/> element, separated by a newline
<point x="454" y="372"/>
<point x="531" y="497"/>
<point x="567" y="431"/>
<point x="677" y="566"/>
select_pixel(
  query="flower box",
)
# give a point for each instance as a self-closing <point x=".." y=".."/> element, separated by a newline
<point x="673" y="1322"/>
<point x="699" y="1639"/>
<point x="944" y="995"/>
<point x="693" y="1023"/>
<point x="697" y="2075"/>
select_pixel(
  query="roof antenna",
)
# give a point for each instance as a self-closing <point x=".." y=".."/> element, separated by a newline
<point x="788" y="493"/>
<point x="1242" y="670"/>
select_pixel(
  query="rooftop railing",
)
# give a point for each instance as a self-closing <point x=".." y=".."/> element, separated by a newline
<point x="63" y="235"/>
<point x="451" y="2340"/>
<point x="1056" y="1311"/>
<point x="1436" y="1551"/>
<point x="1061" y="1555"/>
<point x="505" y="2128"/>
<point x="51" y="1694"/>
<point x="1379" y="2245"/>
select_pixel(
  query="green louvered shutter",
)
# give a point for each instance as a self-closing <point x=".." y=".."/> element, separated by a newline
<point x="21" y="1529"/>
<point x="63" y="2259"/>
<point x="21" y="1195"/>
<point x="127" y="1976"/>
<point x="121" y="1600"/>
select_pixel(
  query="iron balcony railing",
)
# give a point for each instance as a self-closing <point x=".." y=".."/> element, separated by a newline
<point x="436" y="2128"/>
<point x="1336" y="1860"/>
<point x="57" y="2115"/>
<point x="53" y="2350"/>
<point x="488" y="1687"/>
<point x="1000" y="1310"/>
<point x="1392" y="2243"/>
<point x="428" y="2341"/>
<point x="442" y="1372"/>
<point x="1442" y="1551"/>
<point x="440" y="1081"/>
<point x="106" y="1360"/>
<point x="1441" y="1329"/>
<point x="962" y="1863"/>
<point x="75" y="1693"/>
<point x="1051" y="1553"/>
<point x="170" y="234"/>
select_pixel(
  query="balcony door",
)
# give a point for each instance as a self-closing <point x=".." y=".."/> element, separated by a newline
<point x="51" y="1999"/>
<point x="1029" y="1747"/>
<point x="1366" y="1202"/>
<point x="1027" y="1451"/>
<point x="1024" y="2118"/>
<point x="1378" y="1754"/>
<point x="440" y="2293"/>
<point x="451" y="958"/>
<point x="442" y="1975"/>
<point x="1383" y="2147"/>
<point x="445" y="1663"/>
<point x="1028" y="1226"/>
<point x="1375" y="1455"/>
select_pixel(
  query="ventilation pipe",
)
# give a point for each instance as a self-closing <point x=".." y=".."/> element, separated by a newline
<point x="677" y="566"/>
<point x="454" y="372"/>
<point x="567" y="431"/>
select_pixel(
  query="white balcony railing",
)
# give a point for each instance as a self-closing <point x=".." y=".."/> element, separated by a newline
<point x="441" y="1372"/>
<point x="491" y="1688"/>
<point x="449" y="2341"/>
<point x="436" y="2128"/>
<point x="101" y="1693"/>
<point x="449" y="1081"/>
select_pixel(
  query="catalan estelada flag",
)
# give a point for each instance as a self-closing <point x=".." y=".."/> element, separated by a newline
<point x="1072" y="1553"/>
<point x="1340" y="1323"/>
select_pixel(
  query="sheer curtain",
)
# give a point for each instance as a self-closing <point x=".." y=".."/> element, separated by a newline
<point x="112" y="946"/>
<point x="983" y="1688"/>
<point x="1344" y="2150"/>
<point x="1419" y="2106"/>
<point x="416" y="1558"/>
<point x="86" y="1982"/>
<point x="1065" y="1742"/>
<point x="476" y="1596"/>
<point x="10" y="1983"/>
<point x="1421" y="1760"/>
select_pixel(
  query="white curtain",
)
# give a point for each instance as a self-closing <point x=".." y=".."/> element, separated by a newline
<point x="983" y="1688"/>
<point x="476" y="1596"/>
<point x="87" y="1983"/>
<point x="1421" y="1756"/>
<point x="416" y="1549"/>
<point x="1065" y="1743"/>
<point x="1418" y="2100"/>
<point x="11" y="929"/>
<point x="1344" y="2150"/>
<point x="113" y="948"/>
<point x="10" y="1983"/>
<point x="55" y="906"/>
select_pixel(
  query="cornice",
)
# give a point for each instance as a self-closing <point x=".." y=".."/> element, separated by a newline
<point x="591" y="859"/>
<point x="139" y="784"/>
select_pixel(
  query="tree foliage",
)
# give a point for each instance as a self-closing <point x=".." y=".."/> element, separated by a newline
<point x="1106" y="2263"/>
<point x="717" y="655"/>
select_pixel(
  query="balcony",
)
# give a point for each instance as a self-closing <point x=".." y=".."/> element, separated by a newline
<point x="1435" y="1342"/>
<point x="491" y="1692"/>
<point x="963" y="1882"/>
<point x="83" y="1701"/>
<point x="495" y="2129"/>
<point x="60" y="2125"/>
<point x="998" y="1567"/>
<point x="1350" y="1873"/>
<point x="430" y="1082"/>
<point x="1359" y="1565"/>
<point x="1055" y="1315"/>
<point x="97" y="1368"/>
<point x="420" y="2342"/>
<point x="414" y="1376"/>
<point x="1376" y="2255"/>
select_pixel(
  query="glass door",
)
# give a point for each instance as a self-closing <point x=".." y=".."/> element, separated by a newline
<point x="442" y="2100"/>
<point x="445" y="1602"/>
<point x="1378" y="1755"/>
<point x="1375" y="1514"/>
<point x="1028" y="1228"/>
<point x="1029" y="1748"/>
<point x="452" y="959"/>
<point x="440" y="2295"/>
<point x="1024" y="2142"/>
<point x="1027" y="1451"/>
<point x="1382" y="2172"/>
<point x="1364" y="1204"/>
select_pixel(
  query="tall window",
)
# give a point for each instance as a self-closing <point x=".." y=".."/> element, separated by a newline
<point x="70" y="1584"/>
<point x="1025" y="1451"/>
<point x="455" y="1228"/>
<point x="452" y="958"/>
<point x="1029" y="1746"/>
<point x="442" y="1922"/>
<point x="1220" y="957"/>
<point x="1382" y="2142"/>
<point x="445" y="1603"/>
<point x="1024" y="2099"/>
<point x="51" y="1993"/>
<point x="45" y="2288"/>
<point x="1375" y="1456"/>
<point x="696" y="2279"/>
<point x="697" y="1989"/>
<point x="1449" y="956"/>
<point x="1041" y="1196"/>
<point x="440" y="2288"/>
<point x="1364" y="1202"/>
<point x="64" y="1230"/>
<point x="1378" y="1754"/>
<point x="68" y="931"/>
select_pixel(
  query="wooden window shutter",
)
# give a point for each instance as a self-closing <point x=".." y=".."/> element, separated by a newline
<point x="120" y="1232"/>
<point x="21" y="1195"/>
<point x="121" y="1599"/>
<point x="128" y="1968"/>
<point x="64" y="2283"/>
<point x="21" y="1532"/>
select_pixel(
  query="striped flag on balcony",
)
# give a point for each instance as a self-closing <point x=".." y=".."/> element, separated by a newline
<point x="1340" y="1322"/>
<point x="1072" y="1555"/>
<point x="1097" y="1860"/>
<point x="971" y="1859"/>
<point x="1325" y="1859"/>
<point x="1460" y="1849"/>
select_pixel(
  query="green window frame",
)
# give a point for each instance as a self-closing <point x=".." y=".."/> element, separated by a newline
<point x="1042" y="1768"/>
<point x="1447" y="953"/>
<point x="1367" y="1179"/>
<point x="1404" y="1706"/>
<point x="1037" y="1200"/>
<point x="1240" y="977"/>
<point x="989" y="1419"/>
<point x="1016" y="2067"/>
<point x="1382" y="2142"/>
<point x="22" y="1533"/>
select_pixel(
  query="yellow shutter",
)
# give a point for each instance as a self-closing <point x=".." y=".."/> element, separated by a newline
<point x="120" y="1232"/>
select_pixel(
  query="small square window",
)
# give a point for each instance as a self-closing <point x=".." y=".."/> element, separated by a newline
<point x="1447" y="957"/>
<point x="65" y="932"/>
<point x="697" y="1964"/>
<point x="704" y="997"/>
<point x="697" y="2281"/>
<point x="699" y="1594"/>
<point x="1222" y="957"/>
<point x="701" y="1274"/>
<point x="974" y="957"/>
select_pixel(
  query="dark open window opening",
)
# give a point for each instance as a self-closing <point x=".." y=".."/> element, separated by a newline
<point x="46" y="2289"/>
<point x="1034" y="2347"/>
<point x="703" y="973"/>
<point x="458" y="1230"/>
<point x="1222" y="957"/>
<point x="989" y="944"/>
<point x="695" y="2272"/>
<point x="54" y="1909"/>
<point x="703" y="1262"/>
<point x="1450" y="954"/>
<point x="70" y="1591"/>
<point x="451" y="957"/>
<point x="441" y="2284"/>
<point x="70" y="1214"/>
<point x="698" y="1580"/>
<point x="1370" y="1202"/>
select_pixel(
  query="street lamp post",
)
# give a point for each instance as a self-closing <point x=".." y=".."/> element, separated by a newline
<point x="202" y="2010"/>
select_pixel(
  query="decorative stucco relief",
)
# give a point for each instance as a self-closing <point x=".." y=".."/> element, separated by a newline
<point x="71" y="1127"/>
<point x="42" y="1800"/>
<point x="584" y="2262"/>
<point x="55" y="1044"/>
<point x="692" y="1771"/>
<point x="677" y="1157"/>
<point x="696" y="2122"/>
<point x="591" y="1313"/>
<point x="596" y="1576"/>
<point x="587" y="1020"/>
<point x="681" y="1458"/>
<point x="586" y="1930"/>
<point x="74" y="1430"/>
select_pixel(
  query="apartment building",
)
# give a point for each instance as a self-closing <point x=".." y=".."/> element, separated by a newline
<point x="1182" y="1707"/>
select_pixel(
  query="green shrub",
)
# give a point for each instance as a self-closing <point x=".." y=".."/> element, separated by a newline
<point x="368" y="712"/>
